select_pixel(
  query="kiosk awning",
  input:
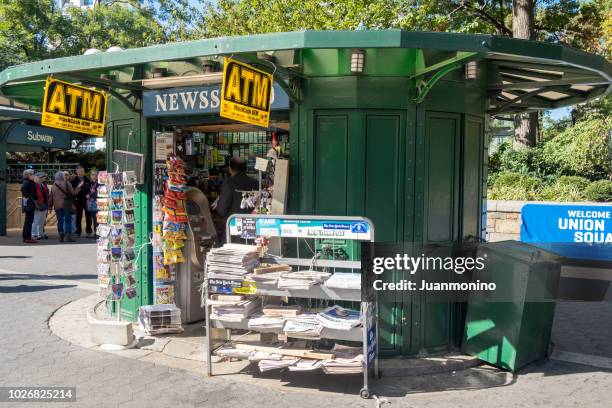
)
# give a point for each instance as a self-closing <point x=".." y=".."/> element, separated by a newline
<point x="524" y="75"/>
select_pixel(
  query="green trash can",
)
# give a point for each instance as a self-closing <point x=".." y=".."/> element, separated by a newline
<point x="510" y="327"/>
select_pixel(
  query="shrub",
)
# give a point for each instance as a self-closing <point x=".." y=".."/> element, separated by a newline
<point x="600" y="190"/>
<point x="565" y="188"/>
<point x="528" y="160"/>
<point x="513" y="186"/>
<point x="582" y="149"/>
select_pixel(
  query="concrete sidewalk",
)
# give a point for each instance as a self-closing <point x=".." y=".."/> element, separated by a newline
<point x="51" y="290"/>
<point x="546" y="381"/>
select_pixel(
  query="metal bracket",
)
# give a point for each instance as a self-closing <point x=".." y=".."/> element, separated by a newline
<point x="292" y="86"/>
<point x="109" y="86"/>
<point x="424" y="87"/>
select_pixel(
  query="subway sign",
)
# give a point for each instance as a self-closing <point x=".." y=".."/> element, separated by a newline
<point x="28" y="135"/>
<point x="246" y="93"/>
<point x="72" y="107"/>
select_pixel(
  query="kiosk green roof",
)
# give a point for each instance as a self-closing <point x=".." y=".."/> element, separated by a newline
<point x="525" y="75"/>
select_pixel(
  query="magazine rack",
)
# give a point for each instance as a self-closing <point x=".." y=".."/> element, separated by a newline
<point x="339" y="238"/>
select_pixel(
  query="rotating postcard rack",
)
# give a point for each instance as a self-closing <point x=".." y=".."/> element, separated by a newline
<point x="331" y="245"/>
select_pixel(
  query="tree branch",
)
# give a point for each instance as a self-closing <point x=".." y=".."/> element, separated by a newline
<point x="480" y="12"/>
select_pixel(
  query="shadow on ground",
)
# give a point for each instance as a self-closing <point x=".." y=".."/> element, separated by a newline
<point x="32" y="288"/>
<point x="28" y="276"/>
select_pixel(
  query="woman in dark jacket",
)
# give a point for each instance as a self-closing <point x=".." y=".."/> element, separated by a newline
<point x="28" y="194"/>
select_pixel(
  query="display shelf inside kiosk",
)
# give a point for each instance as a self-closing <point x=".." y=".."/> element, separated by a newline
<point x="306" y="302"/>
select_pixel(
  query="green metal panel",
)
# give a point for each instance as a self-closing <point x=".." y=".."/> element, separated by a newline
<point x="441" y="170"/>
<point x="384" y="163"/>
<point x="126" y="130"/>
<point x="3" y="169"/>
<point x="512" y="334"/>
<point x="378" y="61"/>
<point x="330" y="169"/>
<point x="472" y="173"/>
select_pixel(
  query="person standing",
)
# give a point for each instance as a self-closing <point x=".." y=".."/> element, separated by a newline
<point x="231" y="196"/>
<point x="62" y="200"/>
<point x="81" y="185"/>
<point x="28" y="196"/>
<point x="92" y="204"/>
<point x="40" y="207"/>
<point x="45" y="186"/>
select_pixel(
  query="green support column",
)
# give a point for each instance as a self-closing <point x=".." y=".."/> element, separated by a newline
<point x="2" y="182"/>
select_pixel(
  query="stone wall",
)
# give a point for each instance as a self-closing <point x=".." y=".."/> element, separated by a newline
<point x="504" y="220"/>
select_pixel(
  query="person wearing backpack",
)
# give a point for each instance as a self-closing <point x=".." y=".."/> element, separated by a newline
<point x="62" y="200"/>
<point x="41" y="205"/>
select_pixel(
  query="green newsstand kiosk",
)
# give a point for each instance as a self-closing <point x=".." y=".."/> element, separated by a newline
<point x="386" y="124"/>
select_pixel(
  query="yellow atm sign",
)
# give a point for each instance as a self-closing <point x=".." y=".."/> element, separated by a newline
<point x="246" y="93"/>
<point x="73" y="107"/>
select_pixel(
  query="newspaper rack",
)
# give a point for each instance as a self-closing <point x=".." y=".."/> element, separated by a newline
<point x="300" y="229"/>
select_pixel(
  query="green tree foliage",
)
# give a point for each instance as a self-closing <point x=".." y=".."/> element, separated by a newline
<point x="582" y="149"/>
<point x="31" y="30"/>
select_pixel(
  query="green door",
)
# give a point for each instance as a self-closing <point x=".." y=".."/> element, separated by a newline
<point x="359" y="169"/>
<point x="436" y="221"/>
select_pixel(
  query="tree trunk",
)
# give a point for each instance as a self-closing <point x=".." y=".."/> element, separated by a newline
<point x="525" y="124"/>
<point x="525" y="130"/>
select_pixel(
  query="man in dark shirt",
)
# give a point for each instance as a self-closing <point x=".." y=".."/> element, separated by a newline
<point x="230" y="197"/>
<point x="81" y="184"/>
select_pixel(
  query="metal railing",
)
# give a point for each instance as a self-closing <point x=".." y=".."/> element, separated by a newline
<point x="14" y="173"/>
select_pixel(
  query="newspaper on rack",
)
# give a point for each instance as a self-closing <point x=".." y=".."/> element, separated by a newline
<point x="339" y="318"/>
<point x="348" y="360"/>
<point x="230" y="352"/>
<point x="305" y="326"/>
<point x="232" y="261"/>
<point x="235" y="311"/>
<point x="262" y="355"/>
<point x="282" y="310"/>
<point x="306" y="365"/>
<point x="270" y="278"/>
<point x="261" y="321"/>
<point x="302" y="280"/>
<point x="342" y="280"/>
<point x="268" y="365"/>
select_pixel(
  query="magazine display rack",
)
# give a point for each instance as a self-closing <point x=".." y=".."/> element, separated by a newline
<point x="315" y="245"/>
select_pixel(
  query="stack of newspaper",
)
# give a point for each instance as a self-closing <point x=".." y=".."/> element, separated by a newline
<point x="231" y="352"/>
<point x="232" y="261"/>
<point x="306" y="365"/>
<point x="263" y="321"/>
<point x="235" y="311"/>
<point x="267" y="278"/>
<point x="282" y="310"/>
<point x="348" y="360"/>
<point x="341" y="280"/>
<point x="268" y="365"/>
<point x="305" y="326"/>
<point x="160" y="319"/>
<point x="339" y="318"/>
<point x="302" y="280"/>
